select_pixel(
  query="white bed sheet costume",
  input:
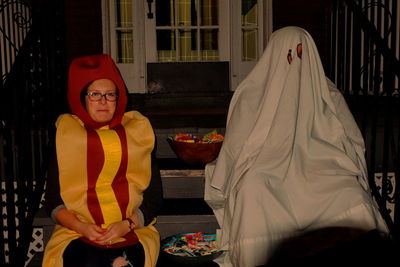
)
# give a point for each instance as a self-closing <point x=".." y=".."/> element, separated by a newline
<point x="292" y="159"/>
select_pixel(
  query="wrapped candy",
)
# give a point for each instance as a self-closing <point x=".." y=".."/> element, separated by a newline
<point x="211" y="137"/>
<point x="191" y="244"/>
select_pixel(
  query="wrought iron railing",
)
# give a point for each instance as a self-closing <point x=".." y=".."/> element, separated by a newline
<point x="365" y="66"/>
<point x="31" y="88"/>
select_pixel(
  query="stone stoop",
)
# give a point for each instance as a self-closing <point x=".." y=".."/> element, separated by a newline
<point x="186" y="187"/>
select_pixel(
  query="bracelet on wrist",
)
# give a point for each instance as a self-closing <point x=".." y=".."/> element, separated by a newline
<point x="131" y="224"/>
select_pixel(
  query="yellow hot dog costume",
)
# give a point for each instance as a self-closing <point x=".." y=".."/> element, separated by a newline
<point x="103" y="169"/>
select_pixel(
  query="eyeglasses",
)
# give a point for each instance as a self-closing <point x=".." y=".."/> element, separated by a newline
<point x="96" y="96"/>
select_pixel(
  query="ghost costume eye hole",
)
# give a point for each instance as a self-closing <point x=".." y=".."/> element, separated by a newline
<point x="289" y="56"/>
<point x="299" y="50"/>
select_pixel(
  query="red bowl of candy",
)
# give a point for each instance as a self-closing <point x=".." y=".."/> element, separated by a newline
<point x="196" y="150"/>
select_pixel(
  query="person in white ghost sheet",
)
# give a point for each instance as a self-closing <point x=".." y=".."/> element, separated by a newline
<point x="293" y="157"/>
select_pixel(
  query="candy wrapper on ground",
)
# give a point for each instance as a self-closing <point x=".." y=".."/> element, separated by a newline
<point x="191" y="247"/>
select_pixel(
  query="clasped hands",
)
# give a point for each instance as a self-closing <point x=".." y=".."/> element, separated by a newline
<point x="104" y="236"/>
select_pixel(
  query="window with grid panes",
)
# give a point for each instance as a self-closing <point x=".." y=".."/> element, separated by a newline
<point x="182" y="31"/>
<point x="124" y="31"/>
<point x="250" y="25"/>
<point x="187" y="30"/>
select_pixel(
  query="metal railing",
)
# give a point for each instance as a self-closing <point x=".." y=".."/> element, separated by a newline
<point x="31" y="86"/>
<point x="365" y="66"/>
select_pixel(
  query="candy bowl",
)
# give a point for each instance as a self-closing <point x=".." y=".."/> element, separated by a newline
<point x="195" y="153"/>
<point x="190" y="248"/>
<point x="196" y="150"/>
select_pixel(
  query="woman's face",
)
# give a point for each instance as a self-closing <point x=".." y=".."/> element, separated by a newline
<point x="101" y="110"/>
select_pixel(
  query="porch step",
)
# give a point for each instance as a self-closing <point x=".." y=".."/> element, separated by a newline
<point x="184" y="209"/>
<point x="168" y="225"/>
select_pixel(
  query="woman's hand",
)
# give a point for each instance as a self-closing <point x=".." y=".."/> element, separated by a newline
<point x="70" y="220"/>
<point x="90" y="231"/>
<point x="114" y="231"/>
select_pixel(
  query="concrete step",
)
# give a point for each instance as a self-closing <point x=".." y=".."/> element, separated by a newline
<point x="168" y="225"/>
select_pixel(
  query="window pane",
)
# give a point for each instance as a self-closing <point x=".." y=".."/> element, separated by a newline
<point x="249" y="45"/>
<point x="187" y="30"/>
<point x="209" y="45"/>
<point x="249" y="12"/>
<point x="166" y="45"/>
<point x="188" y="45"/>
<point x="123" y="16"/>
<point x="165" y="11"/>
<point x="124" y="46"/>
<point x="187" y="13"/>
<point x="209" y="12"/>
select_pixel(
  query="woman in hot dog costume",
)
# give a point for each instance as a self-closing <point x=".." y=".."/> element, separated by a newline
<point x="104" y="189"/>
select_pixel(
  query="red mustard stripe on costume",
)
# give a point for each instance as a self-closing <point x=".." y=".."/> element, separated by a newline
<point x="95" y="164"/>
<point x="118" y="187"/>
<point x="120" y="183"/>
